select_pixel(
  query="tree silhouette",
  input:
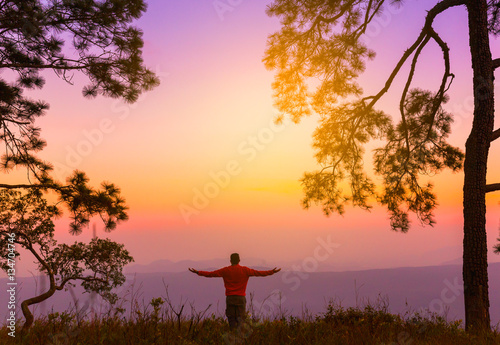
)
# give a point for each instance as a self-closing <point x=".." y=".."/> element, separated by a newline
<point x="95" y="38"/>
<point x="28" y="217"/>
<point x="322" y="41"/>
<point x="104" y="47"/>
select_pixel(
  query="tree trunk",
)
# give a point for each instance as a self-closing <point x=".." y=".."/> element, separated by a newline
<point x="475" y="262"/>
<point x="34" y="300"/>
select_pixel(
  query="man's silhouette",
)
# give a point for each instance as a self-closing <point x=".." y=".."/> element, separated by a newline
<point x="235" y="281"/>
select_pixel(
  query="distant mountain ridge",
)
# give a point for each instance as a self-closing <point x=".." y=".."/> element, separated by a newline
<point x="405" y="289"/>
<point x="213" y="264"/>
<point x="27" y="268"/>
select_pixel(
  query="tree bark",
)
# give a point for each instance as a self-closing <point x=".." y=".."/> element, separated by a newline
<point x="28" y="315"/>
<point x="475" y="263"/>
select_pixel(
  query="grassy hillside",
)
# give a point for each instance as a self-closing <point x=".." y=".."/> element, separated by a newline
<point x="159" y="323"/>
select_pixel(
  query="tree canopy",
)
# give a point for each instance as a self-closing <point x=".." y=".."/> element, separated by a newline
<point x="65" y="36"/>
<point x="318" y="55"/>
<point x="322" y="40"/>
<point x="29" y="218"/>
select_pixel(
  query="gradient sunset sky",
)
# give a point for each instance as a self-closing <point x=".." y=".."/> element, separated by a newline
<point x="207" y="129"/>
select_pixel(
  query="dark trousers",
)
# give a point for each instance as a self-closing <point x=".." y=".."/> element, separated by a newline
<point x="235" y="310"/>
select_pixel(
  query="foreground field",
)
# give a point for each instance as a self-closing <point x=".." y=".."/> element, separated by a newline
<point x="336" y="326"/>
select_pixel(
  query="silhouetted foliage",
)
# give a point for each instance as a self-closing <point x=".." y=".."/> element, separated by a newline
<point x="92" y="37"/>
<point x="28" y="216"/>
<point x="319" y="53"/>
<point x="95" y="38"/>
<point x="323" y="41"/>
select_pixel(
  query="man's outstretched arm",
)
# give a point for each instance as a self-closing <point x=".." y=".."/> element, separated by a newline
<point x="207" y="273"/>
<point x="255" y="273"/>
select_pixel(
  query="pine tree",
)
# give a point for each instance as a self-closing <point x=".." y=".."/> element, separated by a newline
<point x="323" y="40"/>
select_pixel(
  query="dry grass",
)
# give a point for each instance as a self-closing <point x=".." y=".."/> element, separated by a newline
<point x="160" y="323"/>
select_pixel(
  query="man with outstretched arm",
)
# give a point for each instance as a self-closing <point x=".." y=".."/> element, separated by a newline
<point x="235" y="281"/>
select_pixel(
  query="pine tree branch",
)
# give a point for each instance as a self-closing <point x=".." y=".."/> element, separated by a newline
<point x="47" y="66"/>
<point x="20" y="123"/>
<point x="32" y="186"/>
<point x="367" y="14"/>
<point x="492" y="187"/>
<point x="342" y="11"/>
<point x="495" y="63"/>
<point x="442" y="88"/>
<point x="495" y="135"/>
<point x="407" y="86"/>
<point x="395" y="71"/>
<point x="368" y="18"/>
<point x="431" y="15"/>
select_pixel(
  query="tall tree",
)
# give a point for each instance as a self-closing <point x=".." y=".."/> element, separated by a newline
<point x="93" y="37"/>
<point x="322" y="40"/>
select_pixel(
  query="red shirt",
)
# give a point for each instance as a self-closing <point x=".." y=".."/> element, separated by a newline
<point x="235" y="278"/>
